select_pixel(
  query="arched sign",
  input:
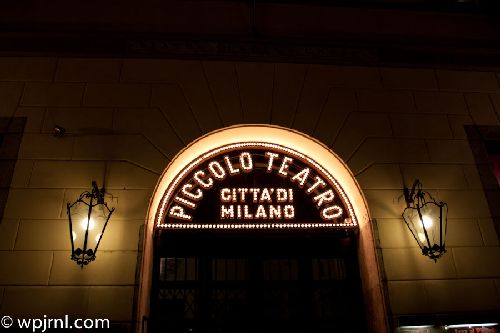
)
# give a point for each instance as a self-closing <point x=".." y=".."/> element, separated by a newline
<point x="256" y="177"/>
<point x="255" y="185"/>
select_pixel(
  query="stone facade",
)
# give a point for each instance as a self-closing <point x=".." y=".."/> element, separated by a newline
<point x="127" y="118"/>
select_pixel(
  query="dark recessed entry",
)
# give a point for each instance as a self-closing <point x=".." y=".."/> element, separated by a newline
<point x="262" y="281"/>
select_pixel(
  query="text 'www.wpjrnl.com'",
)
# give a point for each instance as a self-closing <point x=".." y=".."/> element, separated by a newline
<point x="46" y="324"/>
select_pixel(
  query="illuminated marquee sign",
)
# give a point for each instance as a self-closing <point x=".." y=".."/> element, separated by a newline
<point x="255" y="185"/>
<point x="473" y="328"/>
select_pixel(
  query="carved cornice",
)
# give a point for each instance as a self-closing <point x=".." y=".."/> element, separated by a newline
<point x="390" y="53"/>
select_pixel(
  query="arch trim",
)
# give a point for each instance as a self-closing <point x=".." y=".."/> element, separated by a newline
<point x="302" y="143"/>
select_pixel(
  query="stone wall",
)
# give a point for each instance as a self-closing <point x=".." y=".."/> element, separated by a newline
<point x="127" y="118"/>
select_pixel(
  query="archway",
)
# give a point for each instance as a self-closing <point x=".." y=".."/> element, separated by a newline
<point x="340" y="204"/>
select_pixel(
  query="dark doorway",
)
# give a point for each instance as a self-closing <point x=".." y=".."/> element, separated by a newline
<point x="233" y="282"/>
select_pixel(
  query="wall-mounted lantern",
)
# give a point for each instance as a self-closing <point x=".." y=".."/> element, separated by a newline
<point x="88" y="217"/>
<point x="427" y="220"/>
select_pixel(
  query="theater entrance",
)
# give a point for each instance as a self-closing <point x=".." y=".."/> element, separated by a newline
<point x="227" y="282"/>
<point x="259" y="229"/>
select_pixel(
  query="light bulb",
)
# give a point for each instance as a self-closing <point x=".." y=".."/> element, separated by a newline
<point x="427" y="221"/>
<point x="91" y="224"/>
<point x="74" y="235"/>
<point x="97" y="237"/>
<point x="421" y="235"/>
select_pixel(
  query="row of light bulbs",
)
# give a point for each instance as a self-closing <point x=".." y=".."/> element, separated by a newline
<point x="254" y="226"/>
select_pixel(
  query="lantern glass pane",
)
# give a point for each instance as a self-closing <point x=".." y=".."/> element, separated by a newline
<point x="431" y="223"/>
<point x="97" y="221"/>
<point x="411" y="217"/>
<point x="424" y="221"/>
<point x="81" y="221"/>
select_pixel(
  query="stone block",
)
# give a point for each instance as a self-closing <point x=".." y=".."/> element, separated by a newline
<point x="153" y="70"/>
<point x="22" y="174"/>
<point x="408" y="297"/>
<point x="381" y="150"/>
<point x="385" y="203"/>
<point x="420" y="126"/>
<point x="34" y="118"/>
<point x="133" y="148"/>
<point x="467" y="81"/>
<point x="52" y="94"/>
<point x="6" y="171"/>
<point x="393" y="233"/>
<point x="117" y="95"/>
<point x="457" y="125"/>
<point x="410" y="264"/>
<point x="381" y="176"/>
<point x="113" y="303"/>
<point x="255" y="82"/>
<point x="175" y="108"/>
<point x="8" y="233"/>
<point x="55" y="302"/>
<point x="434" y="176"/>
<point x="477" y="262"/>
<point x="4" y="194"/>
<point x="25" y="267"/>
<point x="27" y="69"/>
<point x="113" y="268"/>
<point x="495" y="100"/>
<point x="346" y="76"/>
<point x="43" y="235"/>
<point x="497" y="284"/>
<point x="130" y="204"/>
<point x="450" y="151"/>
<point x="45" y="146"/>
<point x="313" y="99"/>
<point x="440" y="102"/>
<point x="385" y="101"/>
<point x="34" y="203"/>
<point x="481" y="109"/>
<point x="9" y="150"/>
<point x="463" y="232"/>
<point x="359" y="126"/>
<point x="190" y="75"/>
<point x="461" y="295"/>
<point x="196" y="90"/>
<point x="153" y="124"/>
<point x="223" y="83"/>
<point x="409" y="78"/>
<point x="472" y="176"/>
<point x="492" y="197"/>
<point x="7" y="167"/>
<point x="464" y="203"/>
<point x="122" y="175"/>
<point x="488" y="232"/>
<point x="12" y="126"/>
<point x="66" y="174"/>
<point x="121" y="235"/>
<point x="288" y="84"/>
<point x="79" y="120"/>
<point x="10" y="93"/>
<point x="339" y="104"/>
<point x="88" y="70"/>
